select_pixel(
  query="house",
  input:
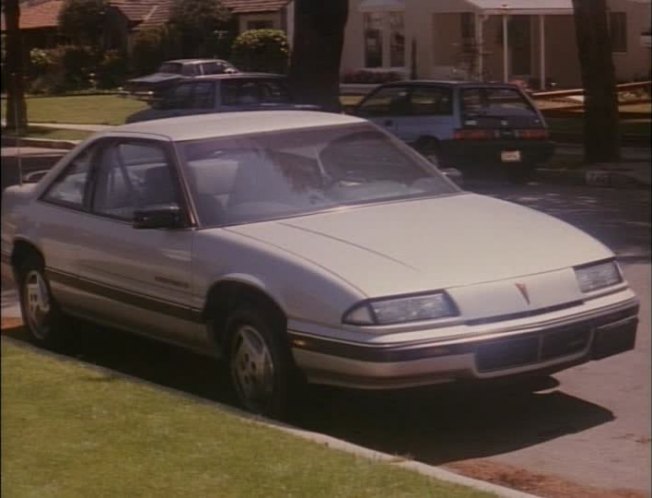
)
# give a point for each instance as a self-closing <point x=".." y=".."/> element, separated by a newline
<point x="493" y="40"/>
<point x="499" y="40"/>
<point x="39" y="18"/>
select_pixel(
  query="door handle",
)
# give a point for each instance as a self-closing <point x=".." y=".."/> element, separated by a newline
<point x="388" y="122"/>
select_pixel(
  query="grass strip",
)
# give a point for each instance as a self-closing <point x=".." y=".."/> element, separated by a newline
<point x="51" y="133"/>
<point x="84" y="109"/>
<point x="75" y="431"/>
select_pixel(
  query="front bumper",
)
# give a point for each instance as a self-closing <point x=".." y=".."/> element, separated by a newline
<point x="541" y="348"/>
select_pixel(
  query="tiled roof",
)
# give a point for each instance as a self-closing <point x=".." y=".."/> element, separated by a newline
<point x="140" y="10"/>
<point x="35" y="14"/>
<point x="252" y="6"/>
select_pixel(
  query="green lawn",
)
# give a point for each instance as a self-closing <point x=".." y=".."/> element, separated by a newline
<point x="72" y="431"/>
<point x="86" y="109"/>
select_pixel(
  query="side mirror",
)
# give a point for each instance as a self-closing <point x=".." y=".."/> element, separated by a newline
<point x="34" y="176"/>
<point x="455" y="175"/>
<point x="169" y="216"/>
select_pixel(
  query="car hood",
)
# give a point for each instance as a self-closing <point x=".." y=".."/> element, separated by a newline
<point x="428" y="244"/>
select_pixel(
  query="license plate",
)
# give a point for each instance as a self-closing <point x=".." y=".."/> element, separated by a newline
<point x="510" y="156"/>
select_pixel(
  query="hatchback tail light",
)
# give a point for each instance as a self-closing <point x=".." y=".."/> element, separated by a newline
<point x="533" y="134"/>
<point x="473" y="134"/>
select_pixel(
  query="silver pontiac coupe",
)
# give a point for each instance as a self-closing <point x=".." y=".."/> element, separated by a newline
<point x="310" y="246"/>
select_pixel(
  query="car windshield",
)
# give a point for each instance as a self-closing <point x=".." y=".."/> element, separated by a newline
<point x="282" y="174"/>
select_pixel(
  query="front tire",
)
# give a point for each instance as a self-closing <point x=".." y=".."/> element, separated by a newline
<point x="43" y="318"/>
<point x="259" y="361"/>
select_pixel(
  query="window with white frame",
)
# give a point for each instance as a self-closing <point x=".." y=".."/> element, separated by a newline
<point x="618" y="31"/>
<point x="384" y="40"/>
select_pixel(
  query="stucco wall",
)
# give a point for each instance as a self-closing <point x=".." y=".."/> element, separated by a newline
<point x="439" y="44"/>
<point x="635" y="63"/>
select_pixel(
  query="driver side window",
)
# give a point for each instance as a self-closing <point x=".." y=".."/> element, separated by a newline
<point x="133" y="176"/>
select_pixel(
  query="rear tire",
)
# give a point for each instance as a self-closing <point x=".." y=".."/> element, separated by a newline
<point x="259" y="359"/>
<point x="46" y="324"/>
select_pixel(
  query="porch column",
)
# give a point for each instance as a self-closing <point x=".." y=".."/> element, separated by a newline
<point x="479" y="45"/>
<point x="505" y="48"/>
<point x="542" y="51"/>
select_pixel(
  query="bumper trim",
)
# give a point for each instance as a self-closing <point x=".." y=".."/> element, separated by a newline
<point x="434" y="349"/>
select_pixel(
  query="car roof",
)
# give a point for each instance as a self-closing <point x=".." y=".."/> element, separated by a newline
<point x="451" y="83"/>
<point x="194" y="61"/>
<point x="223" y="76"/>
<point x="226" y="124"/>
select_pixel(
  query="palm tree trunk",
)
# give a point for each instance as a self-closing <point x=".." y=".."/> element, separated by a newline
<point x="601" y="129"/>
<point x="317" y="51"/>
<point x="14" y="74"/>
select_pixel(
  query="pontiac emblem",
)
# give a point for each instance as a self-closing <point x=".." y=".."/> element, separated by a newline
<point x="523" y="290"/>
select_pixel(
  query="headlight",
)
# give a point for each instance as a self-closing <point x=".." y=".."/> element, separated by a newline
<point x="598" y="275"/>
<point x="401" y="309"/>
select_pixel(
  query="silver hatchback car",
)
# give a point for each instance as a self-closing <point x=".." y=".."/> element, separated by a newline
<point x="309" y="246"/>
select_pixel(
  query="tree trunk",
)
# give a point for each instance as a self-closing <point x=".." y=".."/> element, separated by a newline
<point x="316" y="52"/>
<point x="601" y="130"/>
<point x="16" y="109"/>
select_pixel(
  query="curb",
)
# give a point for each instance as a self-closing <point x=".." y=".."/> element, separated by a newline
<point x="624" y="179"/>
<point x="412" y="465"/>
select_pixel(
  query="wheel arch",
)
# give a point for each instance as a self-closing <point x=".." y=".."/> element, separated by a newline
<point x="21" y="250"/>
<point x="225" y="295"/>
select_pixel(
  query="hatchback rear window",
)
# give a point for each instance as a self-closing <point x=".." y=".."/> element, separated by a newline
<point x="500" y="101"/>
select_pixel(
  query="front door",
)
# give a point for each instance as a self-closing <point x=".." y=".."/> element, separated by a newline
<point x="137" y="277"/>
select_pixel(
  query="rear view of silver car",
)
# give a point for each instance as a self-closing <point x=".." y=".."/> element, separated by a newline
<point x="470" y="126"/>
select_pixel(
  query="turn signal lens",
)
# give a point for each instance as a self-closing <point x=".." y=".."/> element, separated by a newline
<point x="533" y="134"/>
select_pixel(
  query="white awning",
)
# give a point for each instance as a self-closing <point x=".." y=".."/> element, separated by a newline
<point x="499" y="7"/>
<point x="381" y="6"/>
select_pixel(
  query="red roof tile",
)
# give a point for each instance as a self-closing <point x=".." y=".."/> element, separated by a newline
<point x="252" y="6"/>
<point x="35" y="14"/>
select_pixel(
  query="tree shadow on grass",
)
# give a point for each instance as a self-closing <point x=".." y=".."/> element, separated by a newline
<point x="433" y="425"/>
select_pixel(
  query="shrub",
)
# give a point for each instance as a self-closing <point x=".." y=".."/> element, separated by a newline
<point x="112" y="70"/>
<point x="151" y="47"/>
<point x="261" y="50"/>
<point x="62" y="69"/>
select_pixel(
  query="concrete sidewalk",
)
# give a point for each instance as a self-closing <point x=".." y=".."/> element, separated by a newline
<point x="632" y="171"/>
